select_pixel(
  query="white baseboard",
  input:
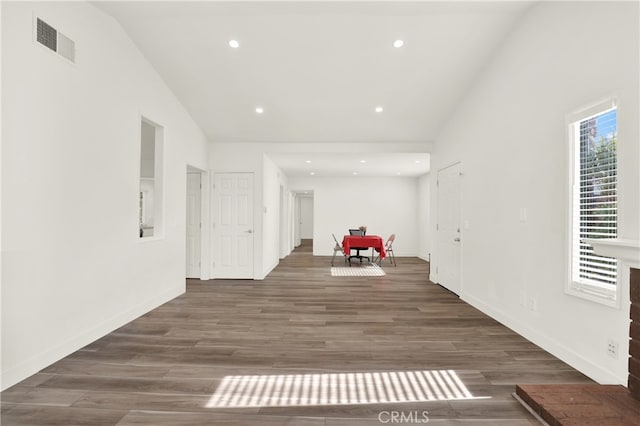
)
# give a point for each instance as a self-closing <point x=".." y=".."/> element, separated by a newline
<point x="32" y="365"/>
<point x="267" y="271"/>
<point x="557" y="349"/>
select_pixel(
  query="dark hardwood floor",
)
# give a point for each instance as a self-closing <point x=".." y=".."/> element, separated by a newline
<point x="299" y="348"/>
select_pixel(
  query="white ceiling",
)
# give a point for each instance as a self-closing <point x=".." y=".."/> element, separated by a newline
<point x="365" y="164"/>
<point x="319" y="68"/>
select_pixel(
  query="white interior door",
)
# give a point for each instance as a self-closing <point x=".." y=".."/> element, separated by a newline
<point x="449" y="220"/>
<point x="194" y="225"/>
<point x="233" y="225"/>
<point x="306" y="218"/>
<point x="296" y="222"/>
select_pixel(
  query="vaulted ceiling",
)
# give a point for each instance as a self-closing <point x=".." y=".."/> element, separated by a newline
<point x="318" y="69"/>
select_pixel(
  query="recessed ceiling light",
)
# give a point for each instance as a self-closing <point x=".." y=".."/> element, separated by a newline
<point x="308" y="161"/>
<point x="312" y="173"/>
<point x="398" y="43"/>
<point x="379" y="109"/>
<point x="234" y="44"/>
<point x="418" y="161"/>
<point x="363" y="161"/>
<point x="259" y="110"/>
<point x="355" y="173"/>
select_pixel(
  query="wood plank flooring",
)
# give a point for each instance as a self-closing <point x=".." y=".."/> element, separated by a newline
<point x="302" y="327"/>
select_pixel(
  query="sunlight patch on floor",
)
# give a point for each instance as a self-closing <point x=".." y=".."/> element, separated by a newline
<point x="339" y="389"/>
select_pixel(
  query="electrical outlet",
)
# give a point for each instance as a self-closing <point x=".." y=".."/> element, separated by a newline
<point x="612" y="348"/>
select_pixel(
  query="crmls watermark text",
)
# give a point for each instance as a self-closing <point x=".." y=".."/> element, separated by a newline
<point x="403" y="416"/>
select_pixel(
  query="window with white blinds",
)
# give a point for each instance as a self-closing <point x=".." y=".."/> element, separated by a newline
<point x="595" y="200"/>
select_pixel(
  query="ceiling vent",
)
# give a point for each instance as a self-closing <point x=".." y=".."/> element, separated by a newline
<point x="49" y="37"/>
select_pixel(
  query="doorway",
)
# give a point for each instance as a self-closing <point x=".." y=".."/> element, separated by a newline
<point x="286" y="222"/>
<point x="306" y="218"/>
<point x="449" y="236"/>
<point x="303" y="219"/>
<point x="233" y="241"/>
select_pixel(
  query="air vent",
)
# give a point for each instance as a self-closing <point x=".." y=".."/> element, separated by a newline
<point x="66" y="47"/>
<point x="49" y="37"/>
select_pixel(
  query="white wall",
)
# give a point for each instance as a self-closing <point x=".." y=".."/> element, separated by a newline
<point x="286" y="222"/>
<point x="1" y="205"/>
<point x="273" y="179"/>
<point x="74" y="268"/>
<point x="510" y="135"/>
<point x="306" y="217"/>
<point x="384" y="205"/>
<point x="424" y="216"/>
<point x="268" y="178"/>
<point x="226" y="158"/>
<point x="250" y="157"/>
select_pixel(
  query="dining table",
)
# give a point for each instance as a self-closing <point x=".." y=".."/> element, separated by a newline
<point x="364" y="241"/>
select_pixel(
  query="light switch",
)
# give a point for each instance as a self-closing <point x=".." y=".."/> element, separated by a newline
<point x="523" y="214"/>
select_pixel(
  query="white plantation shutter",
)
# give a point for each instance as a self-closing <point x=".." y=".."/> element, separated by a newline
<point x="595" y="201"/>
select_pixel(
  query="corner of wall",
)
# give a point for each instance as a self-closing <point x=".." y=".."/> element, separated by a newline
<point x="34" y="363"/>
<point x="554" y="347"/>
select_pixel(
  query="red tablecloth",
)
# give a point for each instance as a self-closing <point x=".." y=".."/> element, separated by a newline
<point x="375" y="241"/>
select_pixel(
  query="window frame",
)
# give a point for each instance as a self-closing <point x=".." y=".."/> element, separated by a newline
<point x="604" y="294"/>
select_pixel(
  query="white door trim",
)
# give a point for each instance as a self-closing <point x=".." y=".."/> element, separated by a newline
<point x="444" y="237"/>
<point x="204" y="273"/>
<point x="193" y="225"/>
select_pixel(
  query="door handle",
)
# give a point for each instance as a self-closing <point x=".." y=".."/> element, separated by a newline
<point x="456" y="239"/>
<point x="249" y="231"/>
